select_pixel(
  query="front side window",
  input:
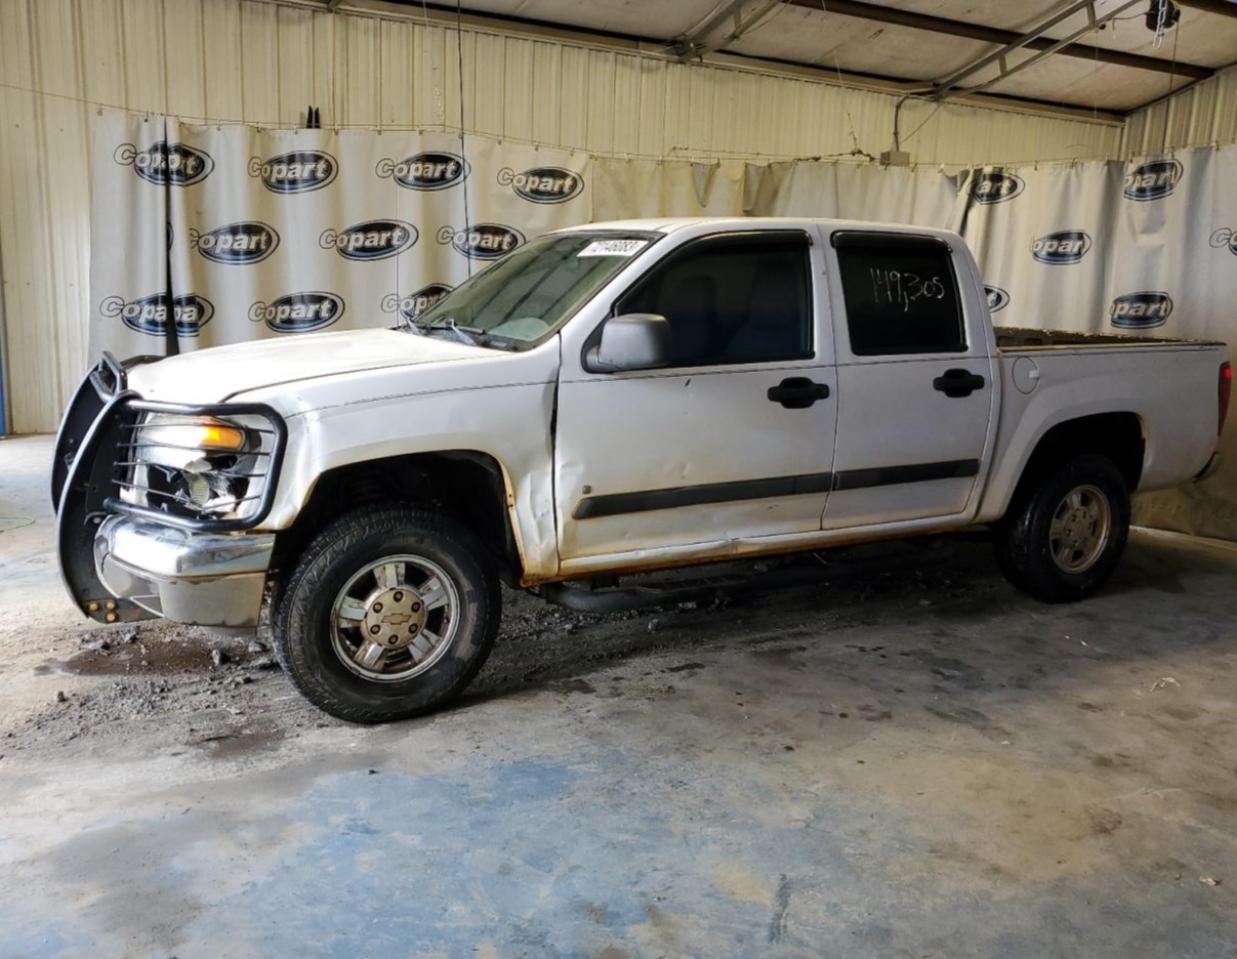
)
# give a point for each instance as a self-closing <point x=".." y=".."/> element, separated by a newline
<point x="524" y="297"/>
<point x="901" y="294"/>
<point x="743" y="298"/>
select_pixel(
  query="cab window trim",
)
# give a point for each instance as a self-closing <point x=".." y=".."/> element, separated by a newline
<point x="736" y="237"/>
<point x="858" y="239"/>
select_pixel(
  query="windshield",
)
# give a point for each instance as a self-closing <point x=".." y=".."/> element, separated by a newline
<point x="530" y="293"/>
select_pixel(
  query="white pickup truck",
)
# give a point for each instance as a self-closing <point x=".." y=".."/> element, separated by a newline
<point x="609" y="399"/>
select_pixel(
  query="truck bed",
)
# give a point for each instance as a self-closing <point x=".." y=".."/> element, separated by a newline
<point x="1015" y="339"/>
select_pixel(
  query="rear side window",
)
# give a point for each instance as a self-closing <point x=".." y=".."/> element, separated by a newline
<point x="742" y="298"/>
<point x="901" y="294"/>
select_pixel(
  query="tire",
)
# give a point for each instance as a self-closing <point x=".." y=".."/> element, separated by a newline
<point x="327" y="648"/>
<point x="1051" y="568"/>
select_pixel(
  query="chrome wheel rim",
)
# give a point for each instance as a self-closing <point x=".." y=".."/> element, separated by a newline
<point x="395" y="618"/>
<point x="1080" y="528"/>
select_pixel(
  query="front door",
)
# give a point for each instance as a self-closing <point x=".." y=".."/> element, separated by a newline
<point x="915" y="381"/>
<point x="734" y="440"/>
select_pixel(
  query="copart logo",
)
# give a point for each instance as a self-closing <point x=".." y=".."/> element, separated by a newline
<point x="246" y="242"/>
<point x="298" y="312"/>
<point x="1141" y="310"/>
<point x="371" y="240"/>
<point x="425" y="171"/>
<point x="149" y="314"/>
<point x="996" y="187"/>
<point x="484" y="241"/>
<point x="175" y="164"/>
<point x="543" y="184"/>
<point x="1064" y="246"/>
<point x="998" y="299"/>
<point x="1226" y="236"/>
<point x="412" y="305"/>
<point x="1152" y="180"/>
<point x="297" y="172"/>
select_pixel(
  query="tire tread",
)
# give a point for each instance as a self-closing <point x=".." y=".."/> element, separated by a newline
<point x="337" y="538"/>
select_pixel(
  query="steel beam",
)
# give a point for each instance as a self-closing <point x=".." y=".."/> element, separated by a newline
<point x="945" y="86"/>
<point x="1224" y="8"/>
<point x="695" y="41"/>
<point x="999" y="55"/>
<point x="986" y="34"/>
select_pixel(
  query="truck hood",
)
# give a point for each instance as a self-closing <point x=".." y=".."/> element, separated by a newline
<point x="215" y="375"/>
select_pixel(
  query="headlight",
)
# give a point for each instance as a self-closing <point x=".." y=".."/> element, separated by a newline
<point x="204" y="433"/>
<point x="197" y="467"/>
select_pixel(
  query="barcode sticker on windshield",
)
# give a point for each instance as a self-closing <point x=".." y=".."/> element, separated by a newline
<point x="613" y="248"/>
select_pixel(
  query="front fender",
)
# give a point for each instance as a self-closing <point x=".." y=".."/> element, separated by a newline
<point x="510" y="424"/>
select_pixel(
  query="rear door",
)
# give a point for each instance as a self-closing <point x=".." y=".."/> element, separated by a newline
<point x="916" y="388"/>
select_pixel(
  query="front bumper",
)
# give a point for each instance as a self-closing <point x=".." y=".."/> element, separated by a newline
<point x="201" y="578"/>
<point x="120" y="564"/>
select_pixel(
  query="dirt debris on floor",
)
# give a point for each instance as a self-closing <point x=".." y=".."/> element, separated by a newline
<point x="178" y="679"/>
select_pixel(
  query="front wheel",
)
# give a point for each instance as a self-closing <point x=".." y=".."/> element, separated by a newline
<point x="390" y="613"/>
<point x="1062" y="539"/>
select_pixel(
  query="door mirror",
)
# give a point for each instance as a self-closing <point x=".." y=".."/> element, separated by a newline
<point x="633" y="341"/>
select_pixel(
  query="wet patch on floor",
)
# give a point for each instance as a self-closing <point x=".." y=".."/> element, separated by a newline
<point x="240" y="740"/>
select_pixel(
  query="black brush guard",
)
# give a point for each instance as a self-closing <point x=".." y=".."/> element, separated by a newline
<point x="95" y="425"/>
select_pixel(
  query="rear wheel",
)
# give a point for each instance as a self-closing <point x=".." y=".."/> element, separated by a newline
<point x="390" y="613"/>
<point x="1062" y="538"/>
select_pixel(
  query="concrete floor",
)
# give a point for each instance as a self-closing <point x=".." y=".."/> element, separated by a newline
<point x="908" y="759"/>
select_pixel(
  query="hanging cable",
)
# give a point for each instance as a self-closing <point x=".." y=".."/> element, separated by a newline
<point x="1168" y="103"/>
<point x="459" y="60"/>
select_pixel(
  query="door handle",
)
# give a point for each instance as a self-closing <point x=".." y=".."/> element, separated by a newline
<point x="958" y="383"/>
<point x="797" y="392"/>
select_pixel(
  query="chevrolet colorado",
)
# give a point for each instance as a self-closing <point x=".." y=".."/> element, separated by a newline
<point x="605" y="400"/>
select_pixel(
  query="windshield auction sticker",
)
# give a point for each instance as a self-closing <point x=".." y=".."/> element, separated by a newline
<point x="613" y="248"/>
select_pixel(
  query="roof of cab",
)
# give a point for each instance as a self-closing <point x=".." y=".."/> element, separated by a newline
<point x="674" y="224"/>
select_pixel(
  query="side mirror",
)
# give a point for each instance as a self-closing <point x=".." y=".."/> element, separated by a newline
<point x="633" y="341"/>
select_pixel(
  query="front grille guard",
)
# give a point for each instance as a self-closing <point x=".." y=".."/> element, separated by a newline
<point x="83" y="475"/>
<point x="268" y="464"/>
<point x="106" y="381"/>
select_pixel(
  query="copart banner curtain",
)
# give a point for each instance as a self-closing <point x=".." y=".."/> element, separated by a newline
<point x="205" y="235"/>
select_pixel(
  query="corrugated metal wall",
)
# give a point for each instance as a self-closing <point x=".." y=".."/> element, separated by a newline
<point x="262" y="61"/>
<point x="1203" y="115"/>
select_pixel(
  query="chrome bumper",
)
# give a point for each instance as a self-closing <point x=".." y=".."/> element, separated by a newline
<point x="205" y="579"/>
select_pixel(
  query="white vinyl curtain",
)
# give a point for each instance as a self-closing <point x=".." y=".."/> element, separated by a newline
<point x="204" y="235"/>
